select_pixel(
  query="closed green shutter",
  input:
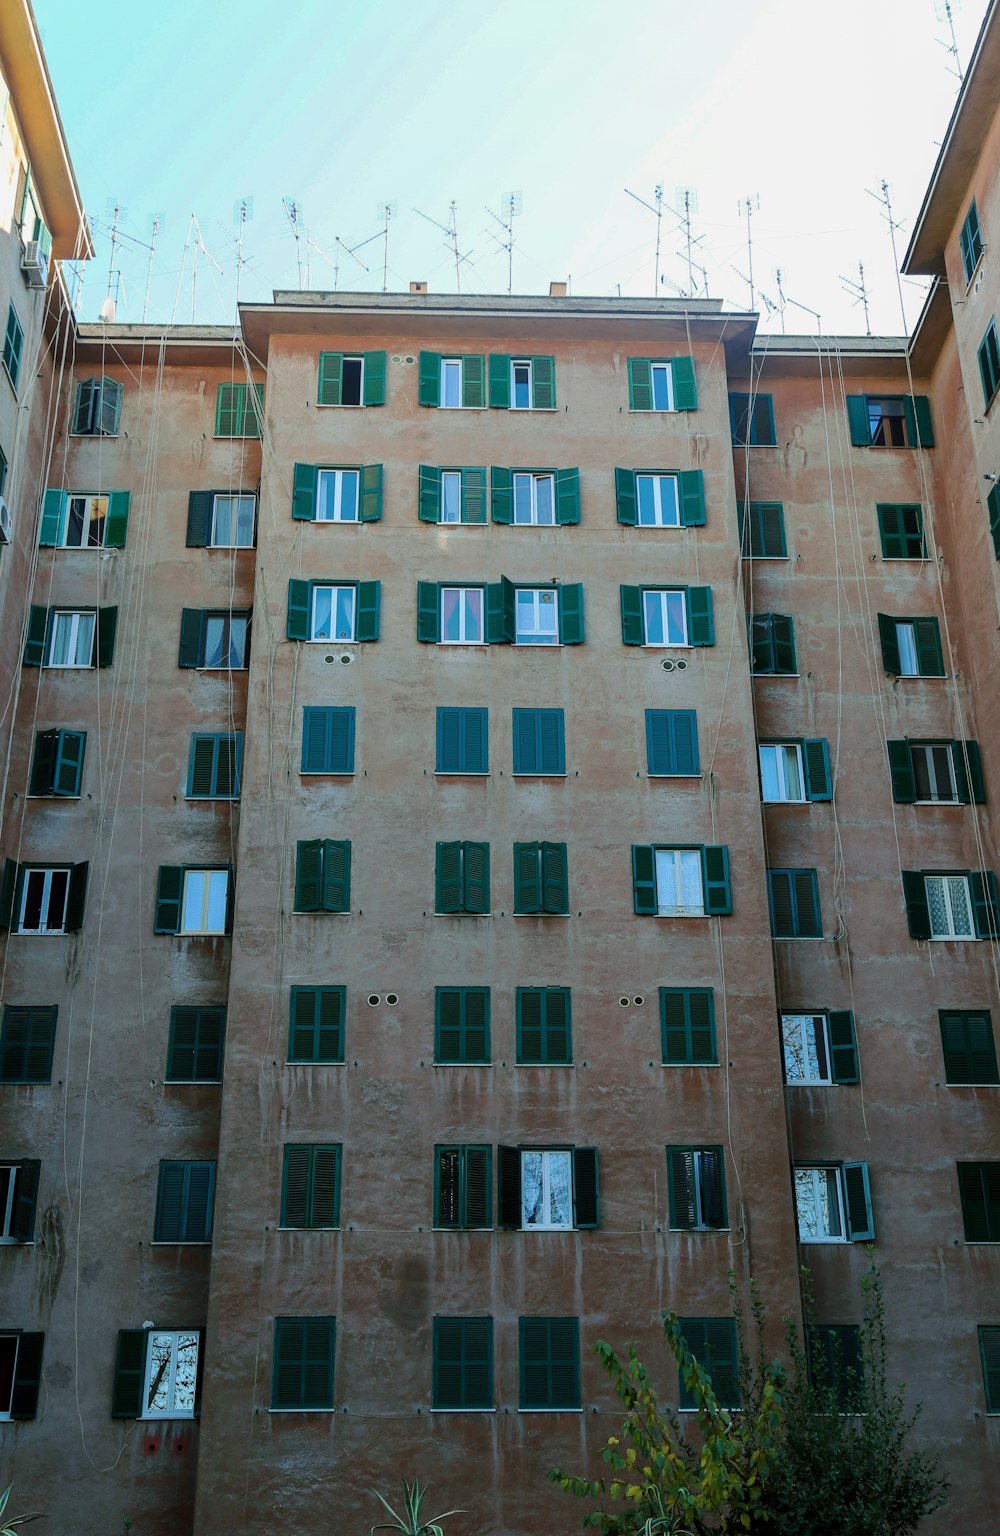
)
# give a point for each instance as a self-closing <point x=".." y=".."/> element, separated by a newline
<point x="336" y="876"/>
<point x="633" y="629"/>
<point x="543" y="383"/>
<point x="739" y="419"/>
<point x="781" y="899"/>
<point x="169" y="888"/>
<point x="691" y="489"/>
<point x="305" y="479"/>
<point x="640" y="384"/>
<point x="370" y="506"/>
<point x="816" y="755"/>
<point x="476" y="877"/>
<point x="463" y="1362"/>
<point x="474" y="381"/>
<point x="308" y="875"/>
<point x="527" y="878"/>
<point x="331" y="367"/>
<point x="448" y="878"/>
<point x="643" y="880"/>
<point x="228" y="410"/>
<point x="194" y="1048"/>
<point x="448" y="1025"/>
<point x="130" y="1371"/>
<point x="571" y="613"/>
<point x="428" y="612"/>
<point x="374" y="378"/>
<point x="429" y="379"/>
<point x="685" y="388"/>
<point x="904" y="784"/>
<point x="718" y="896"/>
<point x="299" y="596"/>
<point x="474" y="495"/>
<point x="985" y="903"/>
<point x="462" y="741"/>
<point x="993" y="509"/>
<point x="857" y="421"/>
<point x="27" y="1042"/>
<point x="190" y="653"/>
<point x="626" y="498"/>
<point x="429" y="491"/>
<point x="448" y="1186"/>
<point x="858" y="1200"/>
<point x="979" y="1189"/>
<point x="713" y="1343"/>
<point x="671" y="742"/>
<point x="328" y="739"/>
<point x="366" y="623"/>
<point x="701" y="629"/>
<point x="927" y="638"/>
<point x="52" y="511"/>
<point x="502" y="495"/>
<point x="843" y="1046"/>
<point x="104" y="640"/>
<point x="201" y="505"/>
<point x="550" y="1362"/>
<point x="116" y="525"/>
<point x="968" y="1046"/>
<point x="687" y="1026"/>
<point x="303" y="1369"/>
<point x="316" y="1024"/>
<point x="296" y="1181"/>
<point x="499" y="380"/>
<point x="567" y="496"/>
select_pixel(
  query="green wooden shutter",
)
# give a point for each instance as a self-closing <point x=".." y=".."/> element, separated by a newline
<point x="640" y="384"/>
<point x="326" y="1186"/>
<point x="476" y="877"/>
<point x="701" y="629"/>
<point x="586" y="1189"/>
<point x="297" y="623"/>
<point x="429" y="379"/>
<point x="927" y="638"/>
<point x="502" y="495"/>
<point x="52" y="511"/>
<point x="23" y="1222"/>
<point x="643" y="880"/>
<point x="76" y="897"/>
<point x="508" y="609"/>
<point x="715" y="868"/>
<point x="685" y="388"/>
<point x="555" y="878"/>
<point x="429" y="490"/>
<point x="336" y="894"/>
<point x="43" y="763"/>
<point x="890" y="644"/>
<point x="780" y="898"/>
<point x="85" y="407"/>
<point x="843" y="1046"/>
<point x="567" y="496"/>
<point x="508" y="1187"/>
<point x="130" y="1371"/>
<point x="857" y="421"/>
<point x="968" y="1046"/>
<point x="202" y="766"/>
<point x="8" y="890"/>
<point x="116" y="525"/>
<point x="816" y="756"/>
<point x="858" y="1200"/>
<point x="626" y="497"/>
<point x="305" y="480"/>
<point x="530" y="1005"/>
<point x="448" y="1186"/>
<point x="633" y="629"/>
<point x="104" y="639"/>
<point x="691" y="490"/>
<point x="527" y="878"/>
<point x="192" y="629"/>
<point x="169" y="888"/>
<point x="304" y="1350"/>
<point x="474" y="495"/>
<point x="571" y="613"/>
<point x="499" y="380"/>
<point x="331" y="368"/>
<point x="228" y="410"/>
<point x="543" y="383"/>
<point x="374" y="378"/>
<point x="448" y="1018"/>
<point x="904" y="784"/>
<point x="199" y="521"/>
<point x="366" y="623"/>
<point x="428" y="612"/>
<point x="989" y="1348"/>
<point x="110" y="408"/>
<point x="68" y="766"/>
<point x="296" y="1186"/>
<point x="308" y="875"/>
<point x="474" y="381"/>
<point x="448" y="877"/>
<point x="993" y="509"/>
<point x="371" y="493"/>
<point x="27" y="1376"/>
<point x="681" y="1196"/>
<point x="918" y="914"/>
<point x="985" y="903"/>
<point x="923" y="435"/>
<point x="807" y="913"/>
<point x="969" y="771"/>
<point x="478" y="1181"/>
<point x="35" y="642"/>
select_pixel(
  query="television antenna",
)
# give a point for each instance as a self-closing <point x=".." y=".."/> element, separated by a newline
<point x="154" y="225"/>
<point x="747" y="206"/>
<point x="883" y="196"/>
<point x="450" y="231"/>
<point x="341" y="245"/>
<point x="242" y="214"/>
<point x="294" y="215"/>
<point x="386" y="212"/>
<point x="657" y="209"/>
<point x="945" y="11"/>
<point x="513" y="204"/>
<point x="785" y="300"/>
<point x="199" y="245"/>
<point x="117" y="214"/>
<point x="859" y="291"/>
<point x="687" y="198"/>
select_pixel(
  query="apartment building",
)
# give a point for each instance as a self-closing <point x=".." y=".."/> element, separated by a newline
<point x="499" y="832"/>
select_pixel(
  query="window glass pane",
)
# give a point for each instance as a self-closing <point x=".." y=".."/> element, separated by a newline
<point x="942" y="781"/>
<point x="531" y="1189"/>
<point x="159" y="1373"/>
<point x="350" y="390"/>
<point x="522" y="498"/>
<point x="54" y="910"/>
<point x="560" y="1189"/>
<point x="462" y="615"/>
<point x="85" y="623"/>
<point x="907" y="651"/>
<point x="195" y="888"/>
<point x="678" y="882"/>
<point x="451" y="496"/>
<point x="521" y="386"/>
<point x="804" y="1043"/>
<point x="348" y="495"/>
<point x="792" y="768"/>
<point x="770" y="779"/>
<point x="544" y="501"/>
<point x="451" y="382"/>
<point x="473" y="606"/>
<point x="645" y="490"/>
<point x="218" y="886"/>
<point x="817" y="1201"/>
<point x="63" y="631"/>
<point x="537" y="617"/>
<point x="661" y="387"/>
<point x="666" y="620"/>
<point x="215" y="635"/>
<point x="237" y="642"/>
<point x="961" y="906"/>
<point x="326" y="494"/>
<point x="233" y="522"/>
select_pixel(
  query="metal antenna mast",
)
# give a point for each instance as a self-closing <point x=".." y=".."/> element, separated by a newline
<point x="513" y="203"/>
<point x="242" y="214"/>
<point x="747" y="207"/>
<point x="149" y="264"/>
<point x="796" y="305"/>
<point x="945" y="10"/>
<point x="293" y="212"/>
<point x="386" y="212"/>
<point x="882" y="196"/>
<point x="860" y="292"/>
<point x="658" y="210"/>
<point x="120" y="214"/>
<point x="450" y="231"/>
<point x="199" y="245"/>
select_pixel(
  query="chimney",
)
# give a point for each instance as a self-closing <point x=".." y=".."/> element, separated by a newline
<point x="418" y="287"/>
<point x="557" y="290"/>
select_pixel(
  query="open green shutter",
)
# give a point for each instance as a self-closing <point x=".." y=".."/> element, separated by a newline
<point x="495" y="611"/>
<point x="52" y="509"/>
<point x="308" y="875"/>
<point x="586" y="1189"/>
<point x="701" y="629"/>
<point x="8" y="889"/>
<point x="993" y="509"/>
<point x="927" y="638"/>
<point x="890" y="644"/>
<point x="429" y="492"/>
<point x="88" y="393"/>
<point x="331" y="368"/>
<point x="478" y="1193"/>
<point x="43" y="763"/>
<point x="76" y="897"/>
<point x="858" y="1200"/>
<point x="691" y="488"/>
<point x="199" y="520"/>
<point x="130" y="1371"/>
<point x="626" y="498"/>
<point x="643" y="880"/>
<point x="474" y="381"/>
<point x="38" y="627"/>
<point x="816" y="755"/>
<point x="985" y="904"/>
<point x="305" y="478"/>
<point x="474" y="495"/>
<point x="366" y="623"/>
<point x="476" y="881"/>
<point x="508" y="609"/>
<point x="857" y="421"/>
<point x="336" y="895"/>
<point x="192" y="623"/>
<point x="527" y="878"/>
<point x="429" y="379"/>
<point x="202" y="766"/>
<point x="499" y="380"/>
<point x="924" y="434"/>
<point x="571" y="613"/>
<point x="972" y="758"/>
<point x="428" y="612"/>
<point x="297" y="623"/>
<point x="682" y="1203"/>
<point x="843" y="1046"/>
<point x="448" y="877"/>
<point x="371" y="493"/>
<point x="543" y="383"/>
<point x="633" y="630"/>
<point x="555" y="878"/>
<point x="640" y="384"/>
<point x="918" y="912"/>
<point x="508" y="1187"/>
<point x="104" y="640"/>
<point x="718" y="896"/>
<point x="169" y="885"/>
<point x="374" y="378"/>
<point x="23" y="1223"/>
<point x="67" y="769"/>
<point x="904" y="784"/>
<point x="116" y="526"/>
<point x="567" y="496"/>
<point x="501" y="494"/>
<point x="685" y="388"/>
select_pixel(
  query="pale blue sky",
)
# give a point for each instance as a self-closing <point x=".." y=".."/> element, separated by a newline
<point x="187" y="107"/>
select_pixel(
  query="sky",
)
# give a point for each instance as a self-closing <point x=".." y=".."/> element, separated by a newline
<point x="186" y="110"/>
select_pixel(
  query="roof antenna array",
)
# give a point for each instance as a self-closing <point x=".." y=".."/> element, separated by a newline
<point x="386" y="212"/>
<point x="859" y="291"/>
<point x="945" y="10"/>
<point x="242" y="214"/>
<point x="513" y="205"/>
<point x="686" y="198"/>
<point x="450" y="231"/>
<point x="748" y="205"/>
<point x="795" y="305"/>
<point x="154" y="226"/>
<point x="658" y="210"/>
<point x="882" y="196"/>
<point x="117" y="214"/>
<point x="293" y="213"/>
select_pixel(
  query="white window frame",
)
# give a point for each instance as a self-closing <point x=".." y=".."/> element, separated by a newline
<point x="659" y="520"/>
<point x="906" y="644"/>
<point x="526" y="363"/>
<point x="234" y="496"/>
<point x="546" y="1154"/>
<point x="338" y="495"/>
<point x="927" y="748"/>
<point x="204" y="874"/>
<point x="447" y="363"/>
<point x="875" y="421"/>
<point x="820" y="1172"/>
<point x="227" y="619"/>
<point x="333" y="639"/>
<point x="792" y="1025"/>
<point x="353" y="357"/>
<point x="944" y="880"/>
<point x="74" y="614"/>
<point x="663" y="593"/>
<point x="177" y="1337"/>
<point x="452" y="477"/>
<point x="464" y="640"/>
<point x="666" y="373"/>
<point x="677" y="855"/>
<point x="534" y="479"/>
<point x="781" y="749"/>
<point x="9" y="1205"/>
<point x="98" y="500"/>
<point x="536" y="635"/>
<point x="28" y="874"/>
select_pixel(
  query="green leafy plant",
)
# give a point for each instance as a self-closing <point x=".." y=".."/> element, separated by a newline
<point x="9" y="1524"/>
<point x="409" y="1523"/>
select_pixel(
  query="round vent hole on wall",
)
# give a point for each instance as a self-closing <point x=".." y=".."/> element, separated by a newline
<point x="624" y="1002"/>
<point x="638" y="1001"/>
<point x="681" y="666"/>
<point x="329" y="658"/>
<point x="667" y="666"/>
<point x="409" y="359"/>
<point x="391" y="999"/>
<point x="346" y="659"/>
<point x="373" y="999"/>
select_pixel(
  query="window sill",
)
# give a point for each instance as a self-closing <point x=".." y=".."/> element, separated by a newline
<point x="477" y="1064"/>
<point x="672" y="645"/>
<point x="779" y="558"/>
<point x="49" y="666"/>
<point x="550" y="1410"/>
<point x="17" y="1242"/>
<point x="482" y="409"/>
<point x="318" y="773"/>
<point x="907" y="559"/>
<point x="462" y="773"/>
<point x="228" y="549"/>
<point x="745" y="445"/>
<point x="938" y="802"/>
<point x="973" y="1085"/>
<point x="542" y="914"/>
<point x="309" y="1229"/>
<point x="342" y="405"/>
<point x="36" y="933"/>
<point x="192" y="1082"/>
<point x="201" y="933"/>
<point x="330" y="1409"/>
<point x="673" y="1066"/>
<point x="917" y="677"/>
<point x="462" y="914"/>
<point x="202" y="799"/>
<point x="798" y="938"/>
<point x="788" y="802"/>
<point x="165" y="1418"/>
<point x="530" y="410"/>
<point x="236" y="437"/>
<point x="463" y="645"/>
<point x="463" y="1229"/>
<point x="703" y="1231"/>
<point x="768" y="676"/>
<point x="694" y="778"/>
<point x="522" y="774"/>
<point x="811" y="1242"/>
<point x="676" y="914"/>
<point x="550" y="1066"/>
<point x="462" y="1410"/>
<point x="329" y="640"/>
<point x="317" y="912"/>
<point x="51" y="796"/>
<point x="180" y="1242"/>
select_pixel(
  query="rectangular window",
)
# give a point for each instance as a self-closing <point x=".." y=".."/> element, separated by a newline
<point x="834" y="1364"/>
<point x="667" y="616"/>
<point x="951" y="905"/>
<point x="462" y="878"/>
<point x="462" y="1026"/>
<point x="536" y="616"/>
<point x="57" y="763"/>
<point x="194" y="1047"/>
<point x="662" y="384"/>
<point x="310" y="1186"/>
<point x="328" y="738"/>
<point x="44" y="897"/>
<point x="646" y="498"/>
<point x="696" y="1183"/>
<point x="451" y="496"/>
<point x="751" y="420"/>
<point x="664" y="618"/>
<point x="911" y="647"/>
<point x="534" y="498"/>
<point x="337" y="495"/>
<point x="20" y="1374"/>
<point x="214" y="640"/>
<point x="666" y="882"/>
<point x="936" y="772"/>
<point x="772" y="645"/>
<point x="712" y="1341"/>
<point x="323" y="875"/>
<point x="657" y="500"/>
<point x="679" y="890"/>
<point x="340" y="612"/>
<point x="205" y="901"/>
<point x="71" y="639"/>
<point x="781" y="775"/>
<point x="12" y="344"/>
<point x="989" y="1350"/>
<point x="793" y="897"/>
<point x="762" y="530"/>
<point x="550" y="1362"/>
<point x="539" y="741"/>
<point x="27" y="1042"/>
<point x="463" y="1363"/>
<point x="541" y="879"/>
<point x="890" y="421"/>
<point x="97" y="408"/>
<point x="184" y="1203"/>
<point x="950" y="902"/>
<point x="833" y="1203"/>
<point x="238" y="410"/>
<point x="979" y="1190"/>
<point x="901" y="530"/>
<point x="351" y="378"/>
<point x="521" y="387"/>
<point x="233" y="521"/>
<point x="316" y="1024"/>
<point x="84" y="519"/>
<point x="544" y="1026"/>
<point x="819" y="1047"/>
<point x="332" y="613"/>
<point x="933" y="771"/>
<point x="547" y="1190"/>
<point x="18" y="1198"/>
<point x="672" y="743"/>
<point x="214" y="766"/>
<point x="170" y="1377"/>
<point x="687" y="1026"/>
<point x="462" y="741"/>
<point x="302" y="1374"/>
<point x="971" y="242"/>
<point x="452" y="382"/>
<point x="886" y="422"/>
<point x="968" y="1046"/>
<point x="463" y="1187"/>
<point x="989" y="363"/>
<point x="462" y="615"/>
